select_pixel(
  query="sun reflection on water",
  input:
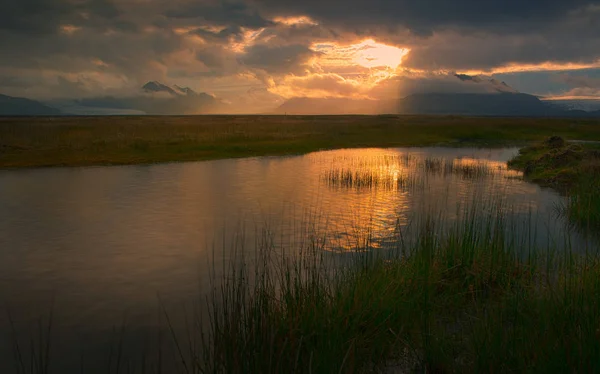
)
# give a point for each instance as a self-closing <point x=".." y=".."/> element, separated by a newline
<point x="384" y="190"/>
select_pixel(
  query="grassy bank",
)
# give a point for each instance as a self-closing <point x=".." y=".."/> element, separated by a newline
<point x="573" y="169"/>
<point x="80" y="141"/>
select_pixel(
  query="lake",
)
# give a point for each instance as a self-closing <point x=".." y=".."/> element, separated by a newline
<point x="99" y="246"/>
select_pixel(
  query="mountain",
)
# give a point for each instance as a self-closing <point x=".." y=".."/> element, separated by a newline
<point x="154" y="98"/>
<point x="17" y="106"/>
<point x="155" y="87"/>
<point x="490" y="84"/>
<point x="465" y="104"/>
<point x="179" y="105"/>
<point x="455" y="94"/>
<point x="498" y="104"/>
<point x="588" y="105"/>
<point x="185" y="91"/>
<point x="314" y="106"/>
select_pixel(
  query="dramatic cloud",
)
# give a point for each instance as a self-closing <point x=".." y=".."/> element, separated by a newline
<point x="423" y="17"/>
<point x="281" y="59"/>
<point x="579" y="86"/>
<point x="584" y="81"/>
<point x="252" y="54"/>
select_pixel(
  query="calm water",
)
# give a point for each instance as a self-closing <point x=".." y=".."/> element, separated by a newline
<point x="105" y="242"/>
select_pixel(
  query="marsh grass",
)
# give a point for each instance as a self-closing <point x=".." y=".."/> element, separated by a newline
<point x="466" y="296"/>
<point x="401" y="172"/>
<point x="365" y="179"/>
<point x="34" y="356"/>
<point x="583" y="204"/>
<point x="471" y="169"/>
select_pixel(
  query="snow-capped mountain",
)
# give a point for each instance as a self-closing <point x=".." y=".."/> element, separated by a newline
<point x="157" y="87"/>
<point x="492" y="85"/>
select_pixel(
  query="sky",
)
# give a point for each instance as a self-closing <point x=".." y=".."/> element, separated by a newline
<point x="255" y="54"/>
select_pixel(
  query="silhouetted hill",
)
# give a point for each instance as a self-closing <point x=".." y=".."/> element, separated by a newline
<point x="176" y="105"/>
<point x="154" y="98"/>
<point x="18" y="106"/>
<point x="466" y="104"/>
<point x="310" y="106"/>
<point x="498" y="104"/>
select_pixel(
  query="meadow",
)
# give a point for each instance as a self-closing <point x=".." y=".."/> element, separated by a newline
<point x="84" y="141"/>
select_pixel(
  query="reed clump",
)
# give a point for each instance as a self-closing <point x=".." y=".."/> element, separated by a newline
<point x="467" y="298"/>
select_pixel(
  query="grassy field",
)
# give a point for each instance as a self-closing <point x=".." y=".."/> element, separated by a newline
<point x="80" y="141"/>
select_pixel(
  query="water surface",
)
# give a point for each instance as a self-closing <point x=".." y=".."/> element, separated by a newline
<point x="106" y="242"/>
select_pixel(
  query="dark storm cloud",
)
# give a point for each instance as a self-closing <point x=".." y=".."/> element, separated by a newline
<point x="141" y="40"/>
<point x="221" y="36"/>
<point x="464" y="34"/>
<point x="426" y="16"/>
<point x="13" y="81"/>
<point x="277" y="59"/>
<point x="301" y="34"/>
<point x="45" y="16"/>
<point x="32" y="16"/>
<point x="221" y="13"/>
<point x="583" y="81"/>
<point x="456" y="51"/>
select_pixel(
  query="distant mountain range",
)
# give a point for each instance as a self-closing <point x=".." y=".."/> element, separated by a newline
<point x="17" y="106"/>
<point x="588" y="105"/>
<point x="154" y="98"/>
<point x="157" y="99"/>
<point x="499" y="104"/>
<point x="493" y="98"/>
<point x="466" y="104"/>
<point x="175" y="91"/>
<point x="313" y="106"/>
<point x="490" y="98"/>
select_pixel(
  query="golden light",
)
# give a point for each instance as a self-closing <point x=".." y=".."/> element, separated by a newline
<point x="342" y="71"/>
<point x="371" y="54"/>
<point x="571" y="97"/>
<point x="69" y="29"/>
<point x="366" y="54"/>
<point x="545" y="66"/>
<point x="290" y="21"/>
<point x="248" y="38"/>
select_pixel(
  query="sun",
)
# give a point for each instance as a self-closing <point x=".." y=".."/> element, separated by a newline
<point x="371" y="54"/>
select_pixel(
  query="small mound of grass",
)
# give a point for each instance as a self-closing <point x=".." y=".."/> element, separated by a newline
<point x="572" y="169"/>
